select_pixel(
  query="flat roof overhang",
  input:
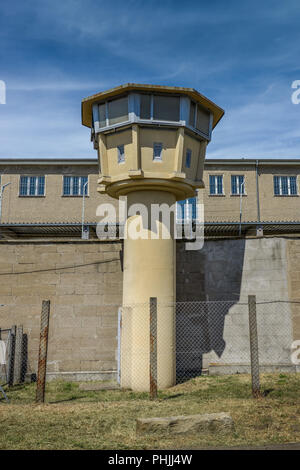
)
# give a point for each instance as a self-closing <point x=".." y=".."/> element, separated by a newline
<point x="87" y="103"/>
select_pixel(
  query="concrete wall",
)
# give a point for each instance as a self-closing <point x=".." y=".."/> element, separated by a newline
<point x="83" y="280"/>
<point x="226" y="272"/>
<point x="84" y="283"/>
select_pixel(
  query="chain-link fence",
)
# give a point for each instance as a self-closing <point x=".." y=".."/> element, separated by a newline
<point x="145" y="347"/>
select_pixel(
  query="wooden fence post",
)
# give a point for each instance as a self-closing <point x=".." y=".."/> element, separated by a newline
<point x="254" y="356"/>
<point x="11" y="356"/>
<point x="42" y="366"/>
<point x="153" y="348"/>
<point x="18" y="355"/>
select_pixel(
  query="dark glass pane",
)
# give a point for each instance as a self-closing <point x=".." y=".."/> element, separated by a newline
<point x="145" y="107"/>
<point x="121" y="154"/>
<point x="118" y="110"/>
<point x="202" y="122"/>
<point x="157" y="151"/>
<point x="23" y="185"/>
<point x="75" y="185"/>
<point x="293" y="185"/>
<point x="188" y="158"/>
<point x="41" y="185"/>
<point x="241" y="185"/>
<point x="166" y="108"/>
<point x="276" y="185"/>
<point x="67" y="186"/>
<point x="220" y="184"/>
<point x="32" y="185"/>
<point x="192" y="207"/>
<point x="192" y="114"/>
<point x="82" y="187"/>
<point x="284" y="185"/>
<point x="102" y="117"/>
<point x="212" y="185"/>
<point x="181" y="209"/>
<point x="233" y="184"/>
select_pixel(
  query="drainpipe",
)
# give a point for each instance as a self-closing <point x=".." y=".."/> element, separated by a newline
<point x="259" y="228"/>
<point x="241" y="198"/>
<point x="257" y="192"/>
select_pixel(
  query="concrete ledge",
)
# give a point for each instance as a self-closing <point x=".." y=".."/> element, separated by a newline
<point x="201" y="423"/>
<point x="223" y="369"/>
<point x="83" y="376"/>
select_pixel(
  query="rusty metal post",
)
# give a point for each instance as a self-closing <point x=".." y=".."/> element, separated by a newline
<point x="153" y="348"/>
<point x="11" y="356"/>
<point x="42" y="366"/>
<point x="254" y="356"/>
<point x="18" y="355"/>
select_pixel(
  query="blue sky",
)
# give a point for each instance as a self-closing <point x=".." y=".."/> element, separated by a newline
<point x="244" y="55"/>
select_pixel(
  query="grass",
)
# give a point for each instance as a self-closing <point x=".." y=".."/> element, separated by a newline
<point x="75" y="419"/>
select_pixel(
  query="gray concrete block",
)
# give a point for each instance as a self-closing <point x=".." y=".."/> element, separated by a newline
<point x="200" y="423"/>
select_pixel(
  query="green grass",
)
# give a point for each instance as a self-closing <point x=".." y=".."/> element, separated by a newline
<point x="75" y="419"/>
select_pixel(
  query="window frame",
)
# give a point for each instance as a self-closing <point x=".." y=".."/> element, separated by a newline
<point x="156" y="159"/>
<point x="120" y="160"/>
<point x="238" y="186"/>
<point x="189" y="206"/>
<point x="36" y="185"/>
<point x="189" y="153"/>
<point x="134" y="113"/>
<point x="71" y="185"/>
<point x="289" y="185"/>
<point x="216" y="184"/>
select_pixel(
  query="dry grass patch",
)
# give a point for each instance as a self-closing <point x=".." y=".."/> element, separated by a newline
<point x="74" y="419"/>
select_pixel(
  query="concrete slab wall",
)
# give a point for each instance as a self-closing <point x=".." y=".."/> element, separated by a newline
<point x="84" y="283"/>
<point x="225" y="272"/>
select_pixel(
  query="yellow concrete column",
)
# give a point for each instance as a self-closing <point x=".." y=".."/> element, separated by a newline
<point x="149" y="271"/>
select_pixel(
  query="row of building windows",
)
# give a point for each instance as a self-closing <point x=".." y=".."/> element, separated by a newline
<point x="283" y="185"/>
<point x="152" y="107"/>
<point x="35" y="186"/>
<point x="78" y="185"/>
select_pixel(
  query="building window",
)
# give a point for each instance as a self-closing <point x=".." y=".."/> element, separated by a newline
<point x="113" y="112"/>
<point x="166" y="108"/>
<point x="118" y="110"/>
<point x="237" y="184"/>
<point x="145" y="106"/>
<point x="216" y="184"/>
<point x="285" y="186"/>
<point x="199" y="118"/>
<point x="157" y="151"/>
<point x="32" y="186"/>
<point x="188" y="158"/>
<point x="186" y="209"/>
<point x="75" y="185"/>
<point x="121" y="154"/>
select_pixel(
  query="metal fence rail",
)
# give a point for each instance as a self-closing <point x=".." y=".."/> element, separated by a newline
<point x="201" y="337"/>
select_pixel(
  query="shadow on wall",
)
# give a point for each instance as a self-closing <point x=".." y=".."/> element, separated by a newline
<point x="212" y="274"/>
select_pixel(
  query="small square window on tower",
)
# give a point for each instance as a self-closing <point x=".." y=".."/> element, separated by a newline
<point x="121" y="154"/>
<point x="157" y="151"/>
<point x="188" y="158"/>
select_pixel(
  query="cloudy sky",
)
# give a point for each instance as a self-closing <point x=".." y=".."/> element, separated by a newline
<point x="244" y="55"/>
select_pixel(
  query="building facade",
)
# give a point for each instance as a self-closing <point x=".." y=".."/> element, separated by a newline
<point x="42" y="191"/>
<point x="42" y="255"/>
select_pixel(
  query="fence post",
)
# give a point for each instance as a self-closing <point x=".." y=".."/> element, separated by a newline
<point x="18" y="355"/>
<point x="42" y="366"/>
<point x="254" y="358"/>
<point x="153" y="348"/>
<point x="11" y="356"/>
